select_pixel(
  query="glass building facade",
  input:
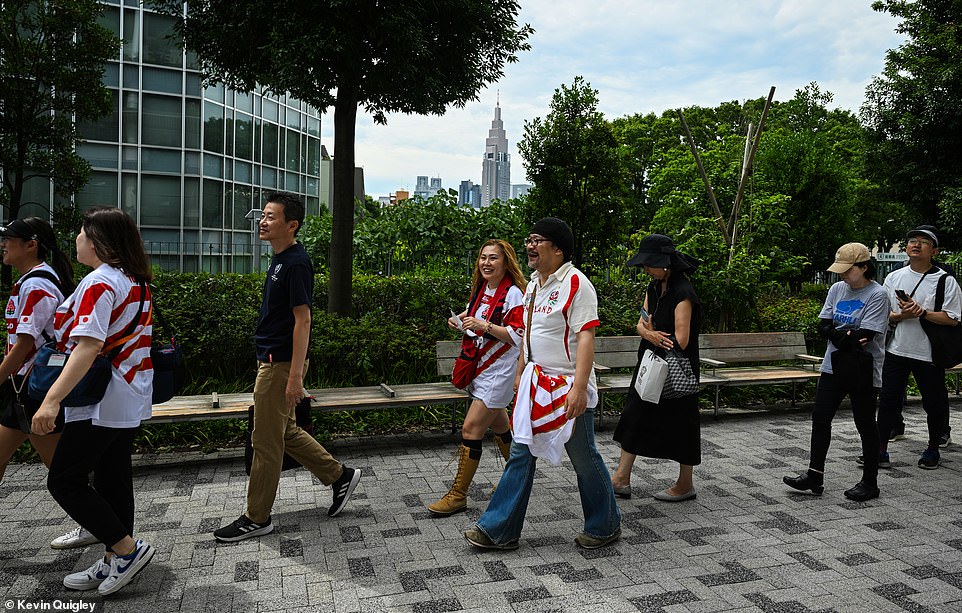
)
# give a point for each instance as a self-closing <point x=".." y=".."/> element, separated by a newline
<point x="189" y="163"/>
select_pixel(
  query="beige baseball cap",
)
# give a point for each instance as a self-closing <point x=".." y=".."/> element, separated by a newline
<point x="848" y="255"/>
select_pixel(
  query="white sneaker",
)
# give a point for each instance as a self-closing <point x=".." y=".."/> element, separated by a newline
<point x="78" y="537"/>
<point x="90" y="578"/>
<point x="123" y="569"/>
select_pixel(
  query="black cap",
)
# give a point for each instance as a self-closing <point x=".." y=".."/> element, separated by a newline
<point x="926" y="231"/>
<point x="18" y="228"/>
<point x="658" y="251"/>
<point x="557" y="232"/>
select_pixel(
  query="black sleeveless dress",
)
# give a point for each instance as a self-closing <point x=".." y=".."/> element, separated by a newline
<point x="670" y="429"/>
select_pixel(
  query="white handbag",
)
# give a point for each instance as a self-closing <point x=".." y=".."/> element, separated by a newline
<point x="650" y="380"/>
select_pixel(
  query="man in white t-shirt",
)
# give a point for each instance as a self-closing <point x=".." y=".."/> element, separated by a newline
<point x="912" y="295"/>
<point x="555" y="399"/>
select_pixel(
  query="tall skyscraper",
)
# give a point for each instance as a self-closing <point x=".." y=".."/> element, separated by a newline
<point x="496" y="167"/>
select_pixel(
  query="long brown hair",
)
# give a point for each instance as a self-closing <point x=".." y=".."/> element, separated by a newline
<point x="511" y="268"/>
<point x="117" y="241"/>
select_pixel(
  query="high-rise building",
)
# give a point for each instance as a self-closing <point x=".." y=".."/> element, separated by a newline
<point x="520" y="189"/>
<point x="421" y="189"/>
<point x="469" y="194"/>
<point x="191" y="164"/>
<point x="496" y="166"/>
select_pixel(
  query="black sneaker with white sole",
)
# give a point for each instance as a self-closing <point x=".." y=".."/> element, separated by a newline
<point x="343" y="488"/>
<point x="242" y="528"/>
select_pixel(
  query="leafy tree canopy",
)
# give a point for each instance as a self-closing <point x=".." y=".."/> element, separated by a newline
<point x="573" y="158"/>
<point x="52" y="56"/>
<point x="402" y="56"/>
<point x="913" y="111"/>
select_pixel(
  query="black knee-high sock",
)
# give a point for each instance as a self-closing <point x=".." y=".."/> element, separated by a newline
<point x="474" y="447"/>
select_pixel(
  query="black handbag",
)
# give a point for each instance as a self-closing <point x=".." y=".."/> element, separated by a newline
<point x="49" y="362"/>
<point x="946" y="341"/>
<point x="168" y="363"/>
<point x="302" y="416"/>
<point x="681" y="379"/>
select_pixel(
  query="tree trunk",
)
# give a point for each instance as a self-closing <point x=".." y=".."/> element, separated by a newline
<point x="342" y="232"/>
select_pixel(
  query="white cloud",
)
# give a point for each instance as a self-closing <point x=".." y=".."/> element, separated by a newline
<point x="642" y="56"/>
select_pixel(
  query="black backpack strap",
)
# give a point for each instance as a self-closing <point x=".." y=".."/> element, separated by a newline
<point x="940" y="293"/>
<point x="49" y="276"/>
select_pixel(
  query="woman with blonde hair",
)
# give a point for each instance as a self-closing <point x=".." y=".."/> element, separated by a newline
<point x="493" y="322"/>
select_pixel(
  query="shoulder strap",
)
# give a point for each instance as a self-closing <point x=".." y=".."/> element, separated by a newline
<point x="49" y="276"/>
<point x="44" y="274"/>
<point x="940" y="292"/>
<point x="527" y="327"/>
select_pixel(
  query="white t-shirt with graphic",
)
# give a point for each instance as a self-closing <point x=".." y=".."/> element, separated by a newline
<point x="103" y="305"/>
<point x="30" y="310"/>
<point x="866" y="308"/>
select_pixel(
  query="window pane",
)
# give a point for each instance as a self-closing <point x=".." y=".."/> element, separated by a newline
<point x="242" y="204"/>
<point x="36" y="193"/>
<point x="192" y="124"/>
<point x="244" y="102"/>
<point x="313" y="156"/>
<point x="131" y="158"/>
<point x="131" y="76"/>
<point x="213" y="213"/>
<point x="101" y="190"/>
<point x="192" y="203"/>
<point x="128" y="194"/>
<point x="160" y="80"/>
<point x="160" y="160"/>
<point x="268" y="177"/>
<point x="293" y="156"/>
<point x="162" y="123"/>
<point x="229" y="133"/>
<point x="192" y="163"/>
<point x="131" y="117"/>
<point x="160" y="200"/>
<point x="107" y="127"/>
<point x="103" y="156"/>
<point x="213" y="127"/>
<point x="215" y="92"/>
<point x="112" y="74"/>
<point x="193" y="84"/>
<point x="213" y="166"/>
<point x="269" y="155"/>
<point x="242" y="172"/>
<point x="161" y="43"/>
<point x="131" y="42"/>
<point x="243" y="136"/>
<point x="270" y="110"/>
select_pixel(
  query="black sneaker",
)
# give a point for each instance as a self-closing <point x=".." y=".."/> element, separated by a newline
<point x="883" y="460"/>
<point x="945" y="440"/>
<point x="242" y="528"/>
<point x="898" y="433"/>
<point x="343" y="488"/>
<point x="930" y="459"/>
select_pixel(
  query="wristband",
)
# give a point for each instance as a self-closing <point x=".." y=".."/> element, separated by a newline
<point x="924" y="313"/>
<point x="486" y="328"/>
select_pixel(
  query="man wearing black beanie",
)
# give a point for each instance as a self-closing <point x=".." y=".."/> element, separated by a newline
<point x="557" y="393"/>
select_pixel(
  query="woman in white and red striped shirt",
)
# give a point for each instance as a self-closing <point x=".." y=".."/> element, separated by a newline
<point x="98" y="438"/>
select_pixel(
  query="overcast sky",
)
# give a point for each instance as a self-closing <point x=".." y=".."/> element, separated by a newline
<point x="643" y="56"/>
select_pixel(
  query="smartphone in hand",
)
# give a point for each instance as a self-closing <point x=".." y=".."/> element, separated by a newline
<point x="644" y="315"/>
<point x="900" y="293"/>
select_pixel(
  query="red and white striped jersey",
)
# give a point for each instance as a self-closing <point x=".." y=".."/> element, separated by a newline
<point x="30" y="310"/>
<point x="102" y="307"/>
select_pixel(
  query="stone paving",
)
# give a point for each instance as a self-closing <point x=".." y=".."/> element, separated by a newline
<point x="747" y="543"/>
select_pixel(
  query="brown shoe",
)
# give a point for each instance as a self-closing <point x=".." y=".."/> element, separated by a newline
<point x="456" y="499"/>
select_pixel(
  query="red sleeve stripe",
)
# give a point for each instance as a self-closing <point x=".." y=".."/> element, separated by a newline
<point x="33" y="298"/>
<point x="594" y="323"/>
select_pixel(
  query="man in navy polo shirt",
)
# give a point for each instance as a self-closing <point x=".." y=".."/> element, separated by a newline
<point x="281" y="338"/>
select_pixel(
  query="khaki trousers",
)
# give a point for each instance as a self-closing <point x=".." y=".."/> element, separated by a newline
<point x="276" y="433"/>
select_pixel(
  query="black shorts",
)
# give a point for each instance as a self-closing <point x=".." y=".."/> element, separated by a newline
<point x="19" y="418"/>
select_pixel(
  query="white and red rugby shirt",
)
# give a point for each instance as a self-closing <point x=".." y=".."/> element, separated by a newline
<point x="30" y="310"/>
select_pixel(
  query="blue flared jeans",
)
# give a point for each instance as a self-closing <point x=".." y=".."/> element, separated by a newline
<point x="504" y="518"/>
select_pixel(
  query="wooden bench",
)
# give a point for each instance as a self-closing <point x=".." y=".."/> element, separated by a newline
<point x="366" y="398"/>
<point x="718" y="352"/>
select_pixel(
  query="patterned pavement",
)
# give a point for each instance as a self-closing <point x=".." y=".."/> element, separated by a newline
<point x="745" y="544"/>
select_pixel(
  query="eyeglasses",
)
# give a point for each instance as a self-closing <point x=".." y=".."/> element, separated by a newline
<point x="918" y="241"/>
<point x="535" y="241"/>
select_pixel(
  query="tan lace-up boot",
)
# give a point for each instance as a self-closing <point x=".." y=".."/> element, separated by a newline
<point x="503" y="446"/>
<point x="457" y="497"/>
